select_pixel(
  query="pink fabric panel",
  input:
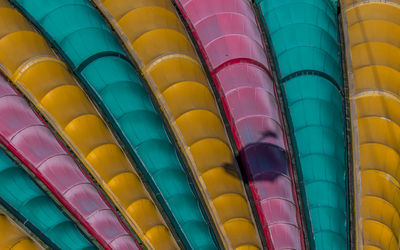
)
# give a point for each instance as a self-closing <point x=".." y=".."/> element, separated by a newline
<point x="61" y="169"/>
<point x="25" y="135"/>
<point x="36" y="144"/>
<point x="247" y="101"/>
<point x="84" y="199"/>
<point x="123" y="243"/>
<point x="240" y="75"/>
<point x="5" y="89"/>
<point x="200" y="9"/>
<point x="232" y="45"/>
<point x="227" y="48"/>
<point x="282" y="211"/>
<point x="102" y="220"/>
<point x="276" y="185"/>
<point x="9" y="107"/>
<point x="227" y="24"/>
<point x="284" y="236"/>
<point x="255" y="116"/>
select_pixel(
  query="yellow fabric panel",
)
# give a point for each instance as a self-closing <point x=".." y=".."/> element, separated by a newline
<point x="379" y="235"/>
<point x="119" y="8"/>
<point x="12" y="22"/>
<point x="380" y="187"/>
<point x="167" y="40"/>
<point x="382" y="211"/>
<point x="123" y="184"/>
<point x="379" y="182"/>
<point x="368" y="11"/>
<point x="377" y="53"/>
<point x="12" y="237"/>
<point x="88" y="132"/>
<point x="150" y="18"/>
<point x="44" y="74"/>
<point x="159" y="237"/>
<point x="17" y="47"/>
<point x="380" y="157"/>
<point x="58" y="103"/>
<point x="202" y="149"/>
<point x="227" y="204"/>
<point x="189" y="95"/>
<point x="378" y="174"/>
<point x="378" y="129"/>
<point x="157" y="40"/>
<point x="221" y="181"/>
<point x="241" y="232"/>
<point x="110" y="167"/>
<point x="373" y="30"/>
<point x="350" y="3"/>
<point x="24" y="244"/>
<point x="178" y="69"/>
<point x="47" y="82"/>
<point x="145" y="213"/>
<point x="199" y="124"/>
<point x="379" y="104"/>
<point x="377" y="77"/>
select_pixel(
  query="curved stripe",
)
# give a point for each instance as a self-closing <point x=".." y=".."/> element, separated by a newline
<point x="28" y="138"/>
<point x="56" y="93"/>
<point x="141" y="130"/>
<point x="304" y="37"/>
<point x="249" y="97"/>
<point x="168" y="60"/>
<point x="374" y="94"/>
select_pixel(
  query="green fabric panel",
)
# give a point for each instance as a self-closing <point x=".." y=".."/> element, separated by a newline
<point x="317" y="115"/>
<point x="309" y="35"/>
<point x="83" y="37"/>
<point x="20" y="192"/>
<point x="304" y="37"/>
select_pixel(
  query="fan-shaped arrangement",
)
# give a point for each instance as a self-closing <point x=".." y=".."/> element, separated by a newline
<point x="200" y="124"/>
